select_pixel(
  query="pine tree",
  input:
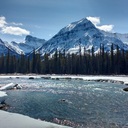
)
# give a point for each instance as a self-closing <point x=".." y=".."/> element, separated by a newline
<point x="117" y="60"/>
<point x="34" y="62"/>
<point x="46" y="64"/>
<point x="112" y="59"/>
<point x="7" y="61"/>
<point x="38" y="63"/>
<point x="22" y="64"/>
<point x="2" y="64"/>
<point x="102" y="60"/>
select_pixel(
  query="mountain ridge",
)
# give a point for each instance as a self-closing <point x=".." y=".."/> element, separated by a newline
<point x="30" y="43"/>
<point x="77" y="34"/>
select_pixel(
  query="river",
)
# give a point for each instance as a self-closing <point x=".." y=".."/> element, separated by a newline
<point x="76" y="103"/>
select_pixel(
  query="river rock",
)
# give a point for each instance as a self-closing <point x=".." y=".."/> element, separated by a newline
<point x="125" y="89"/>
<point x="17" y="86"/>
<point x="3" y="105"/>
<point x="31" y="77"/>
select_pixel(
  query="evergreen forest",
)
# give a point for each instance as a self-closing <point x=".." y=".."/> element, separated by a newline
<point x="88" y="63"/>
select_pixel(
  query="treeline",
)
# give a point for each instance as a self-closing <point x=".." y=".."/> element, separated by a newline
<point x="103" y="63"/>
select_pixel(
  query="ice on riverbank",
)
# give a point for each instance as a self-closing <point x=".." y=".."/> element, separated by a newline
<point x="2" y="94"/>
<point x="85" y="77"/>
<point x="118" y="78"/>
<point x="10" y="86"/>
<point x="113" y="79"/>
<point x="11" y="120"/>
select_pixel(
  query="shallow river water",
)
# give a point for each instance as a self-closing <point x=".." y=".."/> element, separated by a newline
<point x="75" y="103"/>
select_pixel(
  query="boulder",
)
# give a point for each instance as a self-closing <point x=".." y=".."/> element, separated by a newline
<point x="31" y="77"/>
<point x="125" y="89"/>
<point x="17" y="86"/>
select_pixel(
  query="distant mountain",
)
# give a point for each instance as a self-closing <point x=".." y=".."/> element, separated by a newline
<point x="3" y="48"/>
<point x="81" y="33"/>
<point x="122" y="37"/>
<point x="27" y="46"/>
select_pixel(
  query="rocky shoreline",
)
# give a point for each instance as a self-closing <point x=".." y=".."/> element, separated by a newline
<point x="3" y="105"/>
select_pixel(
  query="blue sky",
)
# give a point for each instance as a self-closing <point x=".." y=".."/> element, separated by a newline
<point x="44" y="18"/>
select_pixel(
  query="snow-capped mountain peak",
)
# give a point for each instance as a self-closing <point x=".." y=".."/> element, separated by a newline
<point x="77" y="25"/>
<point x="33" y="41"/>
<point x="80" y="33"/>
<point x="74" y="24"/>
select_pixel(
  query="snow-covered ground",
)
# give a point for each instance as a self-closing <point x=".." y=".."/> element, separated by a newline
<point x="122" y="79"/>
<point x="11" y="120"/>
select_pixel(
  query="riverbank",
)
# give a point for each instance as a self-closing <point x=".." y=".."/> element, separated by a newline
<point x="110" y="79"/>
<point x="118" y="78"/>
<point x="123" y="79"/>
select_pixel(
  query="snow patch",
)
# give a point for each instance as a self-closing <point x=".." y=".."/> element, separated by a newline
<point x="2" y="94"/>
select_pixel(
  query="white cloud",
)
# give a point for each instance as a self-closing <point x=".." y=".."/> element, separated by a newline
<point x="2" y="21"/>
<point x="15" y="31"/>
<point x="96" y="22"/>
<point x="10" y="28"/>
<point x="107" y="28"/>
